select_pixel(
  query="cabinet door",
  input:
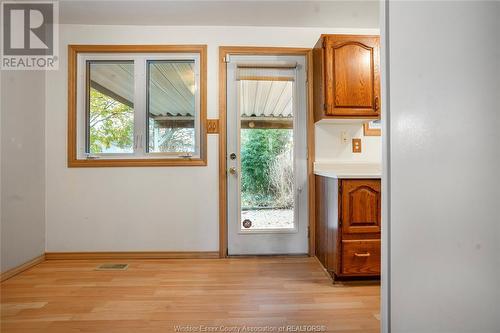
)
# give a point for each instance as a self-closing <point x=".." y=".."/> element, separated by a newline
<point x="352" y="75"/>
<point x="360" y="211"/>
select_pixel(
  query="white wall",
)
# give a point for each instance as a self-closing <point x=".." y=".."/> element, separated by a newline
<point x="444" y="160"/>
<point x="310" y="13"/>
<point x="140" y="209"/>
<point x="22" y="167"/>
<point x="330" y="148"/>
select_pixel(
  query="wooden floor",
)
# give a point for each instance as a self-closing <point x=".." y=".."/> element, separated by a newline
<point x="157" y="295"/>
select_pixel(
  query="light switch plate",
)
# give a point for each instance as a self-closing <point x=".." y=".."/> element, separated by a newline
<point x="343" y="137"/>
<point x="356" y="145"/>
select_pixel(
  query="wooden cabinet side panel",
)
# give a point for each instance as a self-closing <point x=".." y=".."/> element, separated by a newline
<point x="334" y="235"/>
<point x="328" y="235"/>
<point x="320" y="217"/>
<point x="318" y="81"/>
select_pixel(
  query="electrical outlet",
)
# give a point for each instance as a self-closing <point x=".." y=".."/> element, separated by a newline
<point x="356" y="145"/>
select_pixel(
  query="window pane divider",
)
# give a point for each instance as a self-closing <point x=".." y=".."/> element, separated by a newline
<point x="140" y="106"/>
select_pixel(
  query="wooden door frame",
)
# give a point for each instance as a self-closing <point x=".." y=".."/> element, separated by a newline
<point x="276" y="51"/>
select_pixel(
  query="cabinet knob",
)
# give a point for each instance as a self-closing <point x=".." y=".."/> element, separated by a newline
<point x="367" y="254"/>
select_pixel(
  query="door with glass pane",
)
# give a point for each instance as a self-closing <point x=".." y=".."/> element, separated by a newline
<point x="267" y="155"/>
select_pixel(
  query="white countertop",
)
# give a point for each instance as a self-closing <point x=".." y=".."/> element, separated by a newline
<point x="347" y="170"/>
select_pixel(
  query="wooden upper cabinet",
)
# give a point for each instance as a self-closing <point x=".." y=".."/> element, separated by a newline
<point x="360" y="206"/>
<point x="347" y="77"/>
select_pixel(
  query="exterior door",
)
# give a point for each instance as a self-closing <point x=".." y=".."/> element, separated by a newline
<point x="267" y="155"/>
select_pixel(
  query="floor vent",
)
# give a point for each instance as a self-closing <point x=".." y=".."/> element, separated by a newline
<point x="112" y="267"/>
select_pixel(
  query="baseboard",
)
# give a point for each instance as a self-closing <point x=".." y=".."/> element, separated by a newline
<point x="130" y="255"/>
<point x="107" y="256"/>
<point x="21" y="268"/>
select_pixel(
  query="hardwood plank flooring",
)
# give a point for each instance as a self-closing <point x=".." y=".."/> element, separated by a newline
<point x="201" y="294"/>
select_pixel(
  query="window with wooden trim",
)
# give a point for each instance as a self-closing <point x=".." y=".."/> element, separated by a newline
<point x="136" y="105"/>
<point x="372" y="128"/>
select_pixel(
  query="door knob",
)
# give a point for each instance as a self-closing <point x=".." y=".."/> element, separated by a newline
<point x="232" y="170"/>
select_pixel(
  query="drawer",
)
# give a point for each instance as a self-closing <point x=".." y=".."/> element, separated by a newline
<point x="361" y="257"/>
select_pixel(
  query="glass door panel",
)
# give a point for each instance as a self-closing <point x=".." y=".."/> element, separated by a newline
<point x="267" y="184"/>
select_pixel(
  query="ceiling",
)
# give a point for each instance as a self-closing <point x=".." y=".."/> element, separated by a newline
<point x="339" y="14"/>
<point x="266" y="99"/>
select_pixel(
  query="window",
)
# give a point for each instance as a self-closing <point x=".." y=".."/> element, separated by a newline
<point x="171" y="121"/>
<point x="137" y="105"/>
<point x="109" y="123"/>
<point x="372" y="128"/>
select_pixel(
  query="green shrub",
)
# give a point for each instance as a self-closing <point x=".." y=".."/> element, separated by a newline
<point x="259" y="150"/>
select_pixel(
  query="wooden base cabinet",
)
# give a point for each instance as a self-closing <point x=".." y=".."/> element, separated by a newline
<point x="348" y="221"/>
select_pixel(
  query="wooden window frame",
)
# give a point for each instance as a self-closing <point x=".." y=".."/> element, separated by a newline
<point x="75" y="50"/>
<point x="368" y="131"/>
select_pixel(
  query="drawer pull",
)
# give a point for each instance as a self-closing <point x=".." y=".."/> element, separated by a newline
<point x="367" y="254"/>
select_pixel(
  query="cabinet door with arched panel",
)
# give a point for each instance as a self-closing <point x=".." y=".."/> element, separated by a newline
<point x="349" y="66"/>
<point x="360" y="206"/>
<point x="353" y="75"/>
